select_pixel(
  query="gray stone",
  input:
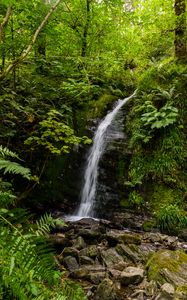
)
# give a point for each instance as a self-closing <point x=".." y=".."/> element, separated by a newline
<point x="70" y="251"/>
<point x="94" y="274"/>
<point x="120" y="236"/>
<point x="90" y="251"/>
<point x="85" y="260"/>
<point x="105" y="290"/>
<point x="168" y="289"/>
<point x="132" y="275"/>
<point x="112" y="259"/>
<point x="79" y="243"/>
<point x="127" y="253"/>
<point x="168" y="266"/>
<point x="70" y="263"/>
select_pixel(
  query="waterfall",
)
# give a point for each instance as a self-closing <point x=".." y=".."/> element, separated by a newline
<point x="86" y="208"/>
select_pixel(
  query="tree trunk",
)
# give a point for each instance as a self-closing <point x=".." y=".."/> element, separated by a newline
<point x="2" y="34"/>
<point x="180" y="29"/>
<point x="85" y="32"/>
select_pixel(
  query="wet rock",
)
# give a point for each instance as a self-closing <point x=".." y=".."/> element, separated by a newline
<point x="94" y="274"/>
<point x="79" y="243"/>
<point x="120" y="236"/>
<point x="70" y="251"/>
<point x="112" y="259"/>
<point x="128" y="253"/>
<point x="168" y="266"/>
<point x="85" y="260"/>
<point x="132" y="275"/>
<point x="105" y="290"/>
<point x="70" y="263"/>
<point x="90" y="251"/>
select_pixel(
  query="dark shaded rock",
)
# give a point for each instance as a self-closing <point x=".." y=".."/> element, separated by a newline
<point x="70" y="263"/>
<point x="112" y="259"/>
<point x="90" y="251"/>
<point x="90" y="234"/>
<point x="59" y="241"/>
<point x="85" y="260"/>
<point x="183" y="234"/>
<point x="94" y="274"/>
<point x="128" y="253"/>
<point x="105" y="290"/>
<point x="70" y="251"/>
<point x="132" y="275"/>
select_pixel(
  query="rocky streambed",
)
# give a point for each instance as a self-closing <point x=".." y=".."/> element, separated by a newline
<point x="116" y="264"/>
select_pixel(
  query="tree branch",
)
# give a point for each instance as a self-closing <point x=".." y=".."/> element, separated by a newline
<point x="5" y="22"/>
<point x="26" y="51"/>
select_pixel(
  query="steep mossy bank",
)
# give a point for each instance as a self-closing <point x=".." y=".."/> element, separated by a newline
<point x="156" y="126"/>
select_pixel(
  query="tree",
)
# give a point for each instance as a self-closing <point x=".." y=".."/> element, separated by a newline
<point x="28" y="48"/>
<point x="180" y="29"/>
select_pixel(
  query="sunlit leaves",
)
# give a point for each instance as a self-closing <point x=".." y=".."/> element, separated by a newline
<point x="55" y="135"/>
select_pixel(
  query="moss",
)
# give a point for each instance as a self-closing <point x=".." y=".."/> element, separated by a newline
<point x="99" y="107"/>
<point x="124" y="203"/>
<point x="148" y="225"/>
<point x="164" y="195"/>
<point x="181" y="292"/>
<point x="165" y="259"/>
<point x="130" y="238"/>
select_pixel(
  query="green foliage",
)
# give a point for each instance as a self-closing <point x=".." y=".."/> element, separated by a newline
<point x="26" y="260"/>
<point x="56" y="136"/>
<point x="12" y="167"/>
<point x="136" y="199"/>
<point x="171" y="218"/>
<point x="157" y="119"/>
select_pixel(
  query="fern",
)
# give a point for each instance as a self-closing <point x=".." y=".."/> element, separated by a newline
<point x="14" y="168"/>
<point x="5" y="152"/>
<point x="44" y="225"/>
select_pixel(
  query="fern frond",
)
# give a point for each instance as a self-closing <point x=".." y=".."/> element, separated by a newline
<point x="5" y="152"/>
<point x="25" y="260"/>
<point x="45" y="224"/>
<point x="14" y="168"/>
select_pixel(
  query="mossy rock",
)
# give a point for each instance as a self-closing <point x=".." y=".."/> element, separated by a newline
<point x="181" y="292"/>
<point x="168" y="266"/>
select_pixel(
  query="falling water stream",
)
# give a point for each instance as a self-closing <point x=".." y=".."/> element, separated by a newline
<point x="86" y="208"/>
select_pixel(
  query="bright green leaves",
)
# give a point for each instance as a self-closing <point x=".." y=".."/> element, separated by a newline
<point x="55" y="135"/>
<point x="155" y="118"/>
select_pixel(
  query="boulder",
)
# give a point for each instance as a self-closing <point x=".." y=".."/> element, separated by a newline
<point x="167" y="292"/>
<point x="92" y="273"/>
<point x="168" y="266"/>
<point x="128" y="253"/>
<point x="79" y="243"/>
<point x="85" y="260"/>
<point x="119" y="236"/>
<point x="105" y="290"/>
<point x="90" y="251"/>
<point x="132" y="275"/>
<point x="70" y="263"/>
<point x="112" y="259"/>
<point x="70" y="251"/>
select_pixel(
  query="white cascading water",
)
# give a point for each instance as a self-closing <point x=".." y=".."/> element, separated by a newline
<point x="86" y="208"/>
